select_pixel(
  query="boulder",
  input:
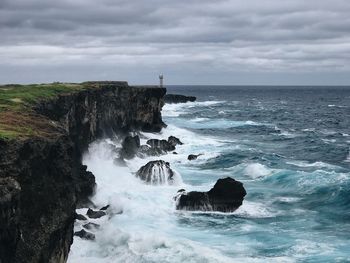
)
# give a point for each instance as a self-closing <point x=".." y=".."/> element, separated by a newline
<point x="174" y="141"/>
<point x="193" y="156"/>
<point x="226" y="196"/>
<point x="163" y="145"/>
<point x="80" y="217"/>
<point x="177" y="98"/>
<point x="95" y="214"/>
<point x="130" y="146"/>
<point x="85" y="235"/>
<point x="104" y="208"/>
<point x="91" y="226"/>
<point x="156" y="172"/>
<point x="146" y="150"/>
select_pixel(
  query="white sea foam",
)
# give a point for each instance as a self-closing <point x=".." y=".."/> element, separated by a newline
<point x="257" y="170"/>
<point x="176" y="109"/>
<point x="254" y="210"/>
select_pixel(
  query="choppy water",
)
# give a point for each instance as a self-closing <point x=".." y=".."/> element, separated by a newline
<point x="290" y="148"/>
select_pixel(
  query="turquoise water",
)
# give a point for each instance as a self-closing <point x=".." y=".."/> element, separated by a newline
<point x="290" y="148"/>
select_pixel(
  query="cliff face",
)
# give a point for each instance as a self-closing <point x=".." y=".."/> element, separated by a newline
<point x="42" y="179"/>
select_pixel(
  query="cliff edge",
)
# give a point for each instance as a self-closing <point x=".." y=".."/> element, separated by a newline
<point x="43" y="131"/>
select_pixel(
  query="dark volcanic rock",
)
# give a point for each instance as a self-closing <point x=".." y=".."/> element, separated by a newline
<point x="176" y="98"/>
<point x="174" y="141"/>
<point x="163" y="145"/>
<point x="104" y="208"/>
<point x="226" y="196"/>
<point x="193" y="156"/>
<point x="130" y="145"/>
<point x="156" y="172"/>
<point x="85" y="186"/>
<point x="91" y="226"/>
<point x="85" y="235"/>
<point x="80" y="217"/>
<point x="95" y="214"/>
<point x="9" y="217"/>
<point x="146" y="150"/>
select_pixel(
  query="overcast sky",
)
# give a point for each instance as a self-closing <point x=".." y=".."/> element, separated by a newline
<point x="190" y="41"/>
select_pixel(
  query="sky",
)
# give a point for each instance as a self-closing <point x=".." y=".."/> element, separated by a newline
<point x="225" y="42"/>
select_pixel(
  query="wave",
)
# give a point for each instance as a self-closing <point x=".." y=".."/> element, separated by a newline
<point x="177" y="109"/>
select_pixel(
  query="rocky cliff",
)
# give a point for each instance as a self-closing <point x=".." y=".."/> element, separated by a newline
<point x="41" y="177"/>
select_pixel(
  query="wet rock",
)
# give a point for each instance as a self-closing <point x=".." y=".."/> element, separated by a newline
<point x="80" y="217"/>
<point x="156" y="172"/>
<point x="146" y="150"/>
<point x="163" y="145"/>
<point x="176" y="98"/>
<point x="174" y="141"/>
<point x="104" y="208"/>
<point x="85" y="235"/>
<point x="9" y="217"/>
<point x="91" y="226"/>
<point x="95" y="214"/>
<point x="226" y="196"/>
<point x="130" y="146"/>
<point x="193" y="156"/>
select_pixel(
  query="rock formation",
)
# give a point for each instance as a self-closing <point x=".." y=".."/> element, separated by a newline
<point x="174" y="141"/>
<point x="131" y="145"/>
<point x="226" y="196"/>
<point x="162" y="145"/>
<point x="176" y="98"/>
<point x="156" y="172"/>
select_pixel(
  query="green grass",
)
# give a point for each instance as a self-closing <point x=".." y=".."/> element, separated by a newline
<point x="15" y="96"/>
<point x="17" y="119"/>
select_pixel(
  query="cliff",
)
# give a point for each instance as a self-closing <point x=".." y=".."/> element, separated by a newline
<point x="41" y="142"/>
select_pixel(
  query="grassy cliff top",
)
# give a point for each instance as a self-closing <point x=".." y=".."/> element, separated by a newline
<point x="17" y="117"/>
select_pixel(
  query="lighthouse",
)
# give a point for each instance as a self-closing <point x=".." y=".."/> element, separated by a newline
<point x="161" y="80"/>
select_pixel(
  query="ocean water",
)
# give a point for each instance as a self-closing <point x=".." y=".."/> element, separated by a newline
<point x="288" y="145"/>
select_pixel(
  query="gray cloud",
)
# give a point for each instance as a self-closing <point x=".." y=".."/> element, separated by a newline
<point x="232" y="41"/>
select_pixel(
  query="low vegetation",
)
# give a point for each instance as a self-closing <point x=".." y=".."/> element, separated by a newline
<point x="17" y="117"/>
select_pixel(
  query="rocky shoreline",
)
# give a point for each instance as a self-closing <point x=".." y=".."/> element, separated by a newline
<point x="43" y="181"/>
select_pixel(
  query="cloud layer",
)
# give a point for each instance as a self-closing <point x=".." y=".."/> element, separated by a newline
<point x="192" y="41"/>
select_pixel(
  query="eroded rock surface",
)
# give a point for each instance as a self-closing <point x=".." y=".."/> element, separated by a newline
<point x="226" y="196"/>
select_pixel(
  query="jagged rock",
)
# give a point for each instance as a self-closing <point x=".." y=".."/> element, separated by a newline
<point x="85" y="235"/>
<point x="146" y="150"/>
<point x="176" y="98"/>
<point x="104" y="208"/>
<point x="163" y="145"/>
<point x="156" y="172"/>
<point x="80" y="217"/>
<point x="91" y="226"/>
<point x="174" y="141"/>
<point x="9" y="217"/>
<point x="193" y="156"/>
<point x="130" y="145"/>
<point x="95" y="214"/>
<point x="85" y="186"/>
<point x="226" y="196"/>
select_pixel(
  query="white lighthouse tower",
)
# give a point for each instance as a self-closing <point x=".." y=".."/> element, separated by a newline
<point x="161" y="80"/>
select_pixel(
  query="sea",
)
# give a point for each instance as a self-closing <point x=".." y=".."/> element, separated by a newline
<point x="288" y="145"/>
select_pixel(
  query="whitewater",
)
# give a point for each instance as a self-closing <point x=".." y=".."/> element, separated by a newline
<point x="288" y="146"/>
